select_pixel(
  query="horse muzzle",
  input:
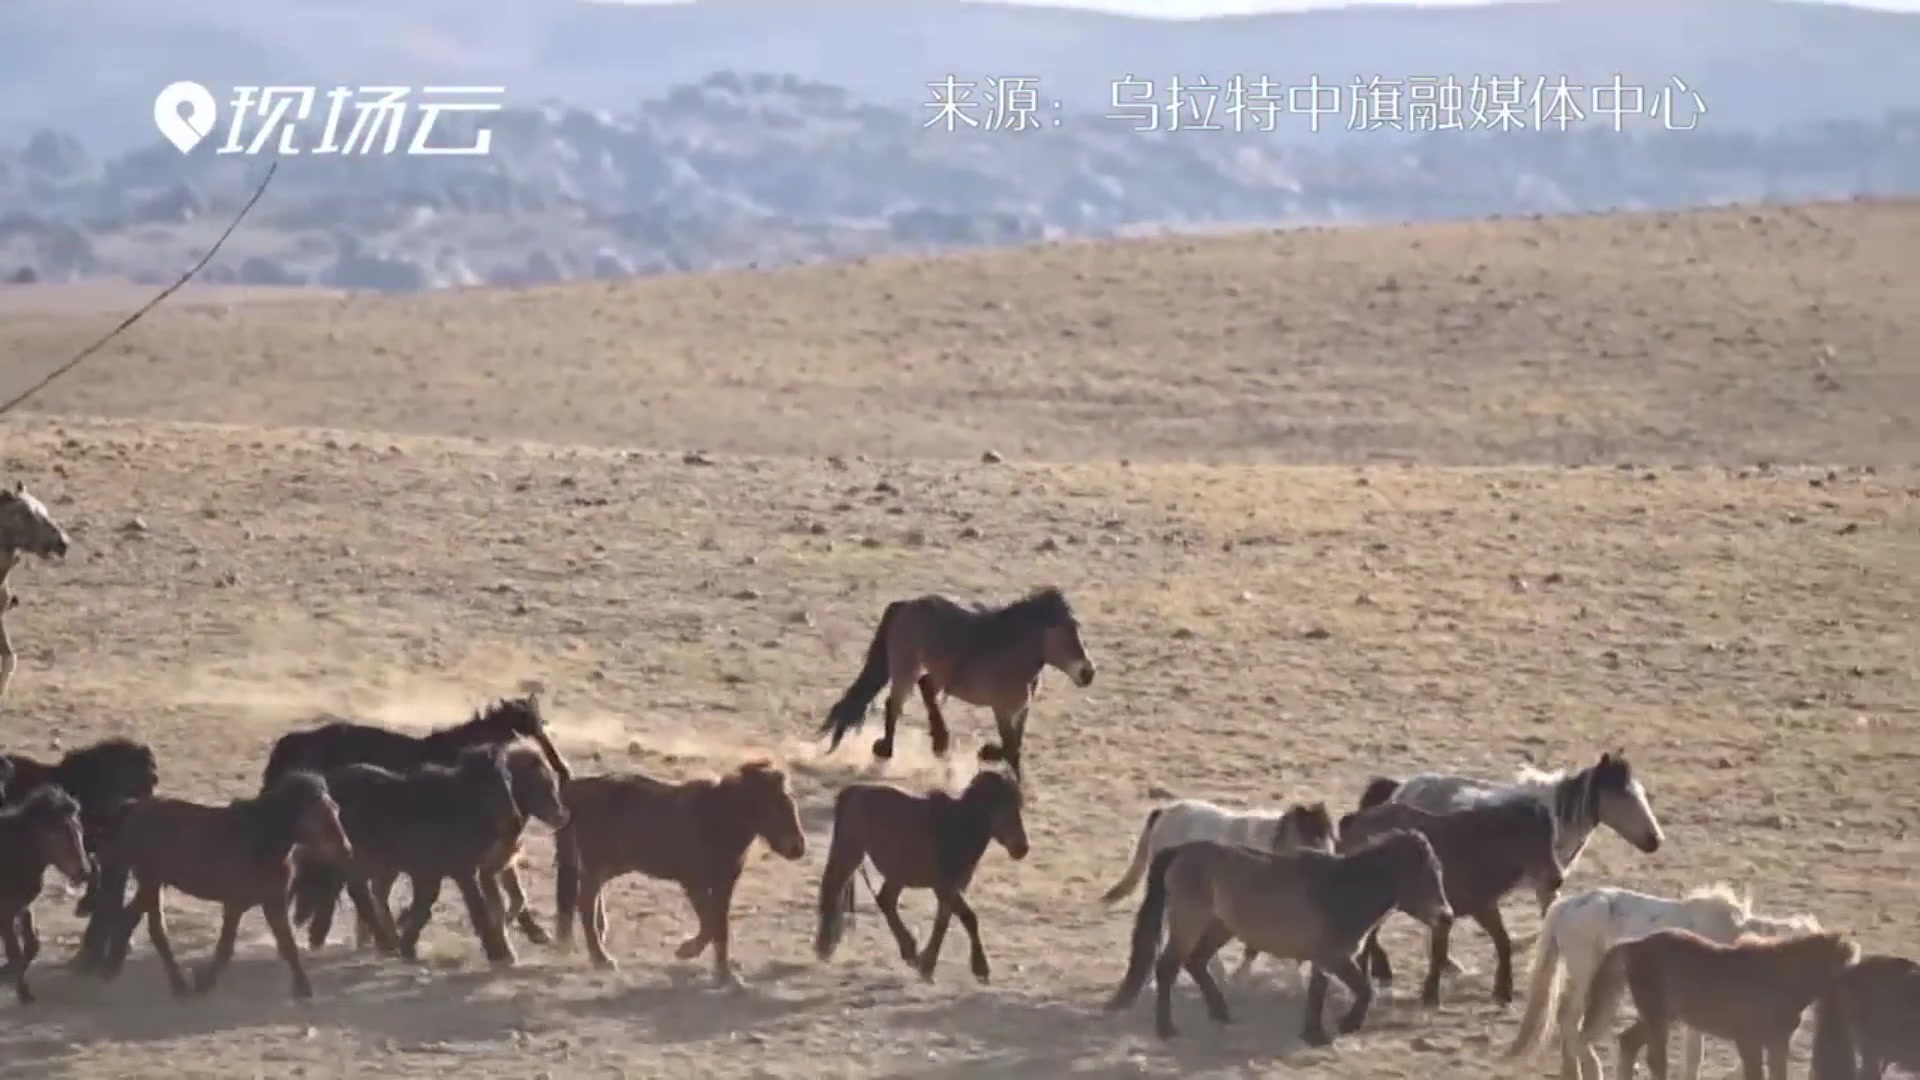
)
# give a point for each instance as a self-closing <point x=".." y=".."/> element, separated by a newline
<point x="1083" y="678"/>
<point x="1649" y="843"/>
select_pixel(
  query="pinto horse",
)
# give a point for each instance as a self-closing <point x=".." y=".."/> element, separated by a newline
<point x="932" y="841"/>
<point x="695" y="833"/>
<point x="100" y="777"/>
<point x="991" y="657"/>
<point x="26" y="528"/>
<point x="239" y="856"/>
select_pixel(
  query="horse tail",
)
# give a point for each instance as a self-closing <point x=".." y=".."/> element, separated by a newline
<point x="1142" y="852"/>
<point x="851" y="709"/>
<point x="1608" y="986"/>
<point x="844" y="856"/>
<point x="1147" y="923"/>
<point x="1543" y="983"/>
<point x="566" y="882"/>
<point x="1834" y="1057"/>
<point x="1379" y="790"/>
<point x="315" y="885"/>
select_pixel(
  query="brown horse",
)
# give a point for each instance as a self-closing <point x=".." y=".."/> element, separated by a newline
<point x="41" y="830"/>
<point x="931" y="841"/>
<point x="1751" y="993"/>
<point x="239" y="856"/>
<point x="1487" y="849"/>
<point x="1868" y="1021"/>
<point x="990" y="657"/>
<point x="695" y="833"/>
<point x="1305" y="905"/>
<point x="102" y="775"/>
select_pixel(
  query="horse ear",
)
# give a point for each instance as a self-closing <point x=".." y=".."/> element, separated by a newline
<point x="19" y="487"/>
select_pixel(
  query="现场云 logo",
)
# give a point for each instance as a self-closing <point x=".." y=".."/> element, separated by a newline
<point x="362" y="120"/>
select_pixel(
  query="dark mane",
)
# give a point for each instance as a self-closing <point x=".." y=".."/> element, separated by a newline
<point x="508" y="716"/>
<point x="47" y="801"/>
<point x="1038" y="610"/>
<point x="271" y="819"/>
<point x="1580" y="791"/>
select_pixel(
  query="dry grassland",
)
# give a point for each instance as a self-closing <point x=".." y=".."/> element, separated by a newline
<point x="402" y="506"/>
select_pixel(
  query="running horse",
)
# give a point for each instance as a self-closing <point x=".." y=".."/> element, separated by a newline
<point x="26" y="528"/>
<point x="992" y="657"/>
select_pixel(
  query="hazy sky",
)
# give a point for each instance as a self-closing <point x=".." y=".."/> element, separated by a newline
<point x="1198" y="8"/>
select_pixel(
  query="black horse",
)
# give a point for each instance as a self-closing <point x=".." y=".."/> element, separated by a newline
<point x="99" y="777"/>
<point x="338" y="741"/>
<point x="431" y="823"/>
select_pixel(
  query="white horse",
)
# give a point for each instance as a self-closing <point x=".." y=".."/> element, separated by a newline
<point x="1301" y="825"/>
<point x="26" y="528"/>
<point x="1184" y="820"/>
<point x="1578" y="930"/>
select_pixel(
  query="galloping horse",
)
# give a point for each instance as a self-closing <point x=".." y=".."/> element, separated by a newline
<point x="26" y="528"/>
<point x="991" y="657"/>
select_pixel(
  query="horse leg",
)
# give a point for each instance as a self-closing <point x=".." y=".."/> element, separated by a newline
<point x="7" y="663"/>
<point x="109" y="901"/>
<point x="1011" y="724"/>
<point x="1496" y="928"/>
<point x="1777" y="1055"/>
<point x="222" y="949"/>
<point x="695" y="945"/>
<point x="321" y="923"/>
<point x="275" y="910"/>
<point x="414" y="921"/>
<point x="937" y="937"/>
<point x="497" y="910"/>
<point x="1692" y="1049"/>
<point x="1166" y="971"/>
<point x="1313" y="1027"/>
<point x="718" y="915"/>
<point x="976" y="953"/>
<point x="493" y="936"/>
<point x="522" y="914"/>
<point x="1241" y="973"/>
<point x="380" y="886"/>
<point x="1636" y="1038"/>
<point x="936" y="723"/>
<point x="22" y="945"/>
<point x="374" y="915"/>
<point x="888" y="901"/>
<point x="593" y="925"/>
<point x="1438" y="940"/>
<point x="1358" y="985"/>
<point x="896" y="699"/>
<point x="1378" y="965"/>
<point x="1752" y="1060"/>
<point x="1198" y="966"/>
<point x="162" y="945"/>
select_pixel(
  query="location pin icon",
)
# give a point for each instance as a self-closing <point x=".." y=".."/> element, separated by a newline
<point x="184" y="132"/>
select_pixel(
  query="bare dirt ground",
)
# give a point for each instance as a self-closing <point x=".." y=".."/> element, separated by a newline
<point x="499" y="493"/>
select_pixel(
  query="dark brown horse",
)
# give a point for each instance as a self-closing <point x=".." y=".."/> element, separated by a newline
<point x="932" y="841"/>
<point x="461" y="821"/>
<point x="39" y="831"/>
<point x="336" y="741"/>
<point x="695" y="833"/>
<point x="1486" y="850"/>
<point x="1751" y="993"/>
<point x="990" y="657"/>
<point x="239" y="856"/>
<point x="1306" y="905"/>
<point x="99" y="776"/>
<point x="1869" y="1021"/>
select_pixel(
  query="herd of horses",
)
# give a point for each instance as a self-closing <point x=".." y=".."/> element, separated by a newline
<point x="349" y="807"/>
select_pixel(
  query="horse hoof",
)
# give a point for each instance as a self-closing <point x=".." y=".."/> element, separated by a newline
<point x="538" y="936"/>
<point x="992" y="752"/>
<point x="1316" y="1037"/>
<point x="883" y="748"/>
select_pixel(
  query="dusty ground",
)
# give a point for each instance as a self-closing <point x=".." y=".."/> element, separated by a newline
<point x="1269" y="630"/>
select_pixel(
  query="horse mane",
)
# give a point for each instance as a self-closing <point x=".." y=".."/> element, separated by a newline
<point x="106" y="756"/>
<point x="1044" y="606"/>
<point x="271" y="819"/>
<point x="1789" y="943"/>
<point x="1740" y="902"/>
<point x="504" y="712"/>
<point x="47" y="801"/>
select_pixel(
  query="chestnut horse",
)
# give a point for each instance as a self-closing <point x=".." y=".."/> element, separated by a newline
<point x="239" y="856"/>
<point x="932" y="841"/>
<point x="695" y="833"/>
<point x="991" y="657"/>
<point x="1751" y="993"/>
<point x="39" y="831"/>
